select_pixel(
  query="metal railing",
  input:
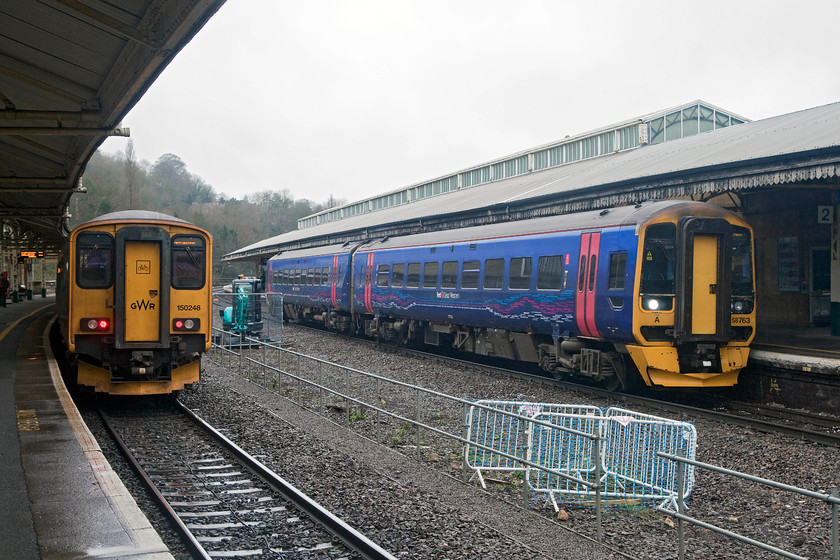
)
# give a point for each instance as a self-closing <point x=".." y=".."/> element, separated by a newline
<point x="324" y="386"/>
<point x="679" y="514"/>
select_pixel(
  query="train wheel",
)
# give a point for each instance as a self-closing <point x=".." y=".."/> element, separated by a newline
<point x="617" y="379"/>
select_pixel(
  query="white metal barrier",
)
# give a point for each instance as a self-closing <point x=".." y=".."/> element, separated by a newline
<point x="562" y="437"/>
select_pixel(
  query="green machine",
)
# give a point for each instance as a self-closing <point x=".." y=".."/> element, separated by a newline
<point x="245" y="315"/>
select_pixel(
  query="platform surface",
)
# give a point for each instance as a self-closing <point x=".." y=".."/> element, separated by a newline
<point x="61" y="500"/>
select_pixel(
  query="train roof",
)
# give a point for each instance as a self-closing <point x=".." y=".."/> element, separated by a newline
<point x="136" y="216"/>
<point x="631" y="215"/>
<point x="337" y="249"/>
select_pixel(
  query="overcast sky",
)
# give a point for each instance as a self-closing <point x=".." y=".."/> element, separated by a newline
<point x="357" y="98"/>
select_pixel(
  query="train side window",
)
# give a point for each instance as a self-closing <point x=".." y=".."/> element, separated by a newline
<point x="316" y="280"/>
<point x="297" y="277"/>
<point x="520" y="273"/>
<point x="398" y="275"/>
<point x="469" y="275"/>
<point x="550" y="272"/>
<point x="325" y="276"/>
<point x="449" y="275"/>
<point x="413" y="278"/>
<point x="430" y="274"/>
<point x="593" y="260"/>
<point x="618" y="269"/>
<point x="383" y="272"/>
<point x="188" y="262"/>
<point x="94" y="260"/>
<point x="494" y="274"/>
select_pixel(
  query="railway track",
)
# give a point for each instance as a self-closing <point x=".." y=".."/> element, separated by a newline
<point x="224" y="502"/>
<point x="815" y="428"/>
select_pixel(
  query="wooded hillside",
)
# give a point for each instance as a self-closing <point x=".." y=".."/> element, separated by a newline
<point x="118" y="182"/>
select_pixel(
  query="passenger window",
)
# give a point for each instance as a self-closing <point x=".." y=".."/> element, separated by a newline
<point x="413" y="278"/>
<point x="430" y="274"/>
<point x="297" y="276"/>
<point x="382" y="273"/>
<point x="494" y="274"/>
<point x="94" y="260"/>
<point x="316" y="280"/>
<point x="618" y="268"/>
<point x="520" y="273"/>
<point x="310" y="279"/>
<point x="469" y="275"/>
<point x="398" y="275"/>
<point x="325" y="276"/>
<point x="550" y="272"/>
<point x="449" y="275"/>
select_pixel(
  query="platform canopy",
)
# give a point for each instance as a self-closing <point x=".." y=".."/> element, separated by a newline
<point x="70" y="70"/>
<point x="703" y="163"/>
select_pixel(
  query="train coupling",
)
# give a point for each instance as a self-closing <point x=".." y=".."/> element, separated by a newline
<point x="142" y="364"/>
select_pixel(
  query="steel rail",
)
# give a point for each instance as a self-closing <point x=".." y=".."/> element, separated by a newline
<point x="332" y="523"/>
<point x="822" y="438"/>
<point x="187" y="537"/>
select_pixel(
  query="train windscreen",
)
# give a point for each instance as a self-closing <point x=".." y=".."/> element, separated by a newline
<point x="658" y="260"/>
<point x="94" y="260"/>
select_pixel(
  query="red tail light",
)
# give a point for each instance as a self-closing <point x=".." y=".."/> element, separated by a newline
<point x="188" y="324"/>
<point x="95" y="324"/>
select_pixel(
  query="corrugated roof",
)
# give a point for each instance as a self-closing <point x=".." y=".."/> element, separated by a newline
<point x="791" y="148"/>
<point x="69" y="72"/>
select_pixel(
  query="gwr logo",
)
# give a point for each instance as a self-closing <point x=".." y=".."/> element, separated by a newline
<point x="143" y="305"/>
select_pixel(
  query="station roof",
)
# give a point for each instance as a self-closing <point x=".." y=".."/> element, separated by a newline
<point x="70" y="70"/>
<point x="794" y="148"/>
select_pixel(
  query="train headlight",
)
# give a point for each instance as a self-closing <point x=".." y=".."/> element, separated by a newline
<point x="95" y="324"/>
<point x="742" y="306"/>
<point x="189" y="324"/>
<point x="657" y="303"/>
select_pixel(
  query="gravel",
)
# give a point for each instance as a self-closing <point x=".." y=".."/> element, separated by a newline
<point x="371" y="477"/>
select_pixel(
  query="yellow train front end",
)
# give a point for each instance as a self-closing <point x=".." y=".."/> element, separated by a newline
<point x="695" y="313"/>
<point x="137" y="315"/>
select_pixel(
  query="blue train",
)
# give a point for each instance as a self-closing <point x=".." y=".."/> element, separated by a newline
<point x="661" y="291"/>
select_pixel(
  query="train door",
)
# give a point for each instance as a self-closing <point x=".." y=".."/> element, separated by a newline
<point x="334" y="282"/>
<point x="368" y="282"/>
<point x="703" y="292"/>
<point x="142" y="287"/>
<point x="590" y="244"/>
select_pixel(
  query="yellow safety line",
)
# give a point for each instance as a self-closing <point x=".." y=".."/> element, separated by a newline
<point x="13" y="325"/>
<point x="757" y="345"/>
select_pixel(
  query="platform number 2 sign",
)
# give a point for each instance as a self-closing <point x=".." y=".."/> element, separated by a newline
<point x="825" y="214"/>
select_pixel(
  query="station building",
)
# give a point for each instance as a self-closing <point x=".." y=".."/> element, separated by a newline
<point x="781" y="174"/>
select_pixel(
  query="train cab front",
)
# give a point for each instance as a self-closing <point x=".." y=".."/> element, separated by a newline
<point x="695" y="302"/>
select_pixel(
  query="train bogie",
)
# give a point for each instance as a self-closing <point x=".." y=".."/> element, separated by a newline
<point x="134" y="292"/>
